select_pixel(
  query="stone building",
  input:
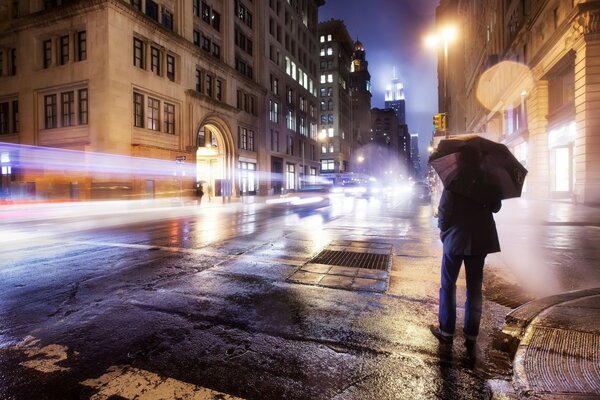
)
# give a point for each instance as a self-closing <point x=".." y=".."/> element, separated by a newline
<point x="531" y="82"/>
<point x="360" y="86"/>
<point x="177" y="81"/>
<point x="335" y="111"/>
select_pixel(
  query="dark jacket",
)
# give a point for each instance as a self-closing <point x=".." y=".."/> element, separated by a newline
<point x="467" y="226"/>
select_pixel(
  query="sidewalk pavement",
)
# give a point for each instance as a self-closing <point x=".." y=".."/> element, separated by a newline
<point x="556" y="340"/>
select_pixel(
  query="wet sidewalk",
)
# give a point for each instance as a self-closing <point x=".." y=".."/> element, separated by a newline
<point x="555" y="340"/>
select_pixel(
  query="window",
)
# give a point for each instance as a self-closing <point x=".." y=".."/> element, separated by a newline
<point x="274" y="140"/>
<point x="242" y="138"/>
<point x="170" y="67"/>
<point x="169" y="118"/>
<point x="205" y="13"/>
<point x="138" y="110"/>
<point x="138" y="53"/>
<point x="83" y="106"/>
<point x="67" y="108"/>
<point x="216" y="21"/>
<point x="155" y="60"/>
<point x="290" y="145"/>
<point x="330" y="118"/>
<point x="136" y="4"/>
<point x="198" y="80"/>
<point x="219" y="90"/>
<point x="50" y="111"/>
<point x="63" y="50"/>
<point x="323" y="148"/>
<point x="291" y="176"/>
<point x="167" y="18"/>
<point x="81" y="45"/>
<point x="331" y="148"/>
<point x="205" y="43"/>
<point x="216" y="50"/>
<point x="274" y="85"/>
<point x="152" y="9"/>
<point x="209" y="85"/>
<point x="197" y="38"/>
<point x="153" y="116"/>
<point x="12" y="61"/>
<point x="251" y="141"/>
<point x="47" y="53"/>
<point x="196" y="8"/>
<point x="4" y="118"/>
<point x="15" y="114"/>
<point x="327" y="165"/>
<point x="273" y="111"/>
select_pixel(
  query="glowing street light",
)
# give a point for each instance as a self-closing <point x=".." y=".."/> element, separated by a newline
<point x="444" y="36"/>
<point x="360" y="159"/>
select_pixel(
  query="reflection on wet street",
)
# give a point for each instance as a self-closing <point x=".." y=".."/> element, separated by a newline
<point x="199" y="299"/>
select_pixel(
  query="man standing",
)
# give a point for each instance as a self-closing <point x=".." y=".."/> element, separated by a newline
<point x="468" y="233"/>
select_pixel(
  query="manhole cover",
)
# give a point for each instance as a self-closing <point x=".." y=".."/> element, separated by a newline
<point x="351" y="265"/>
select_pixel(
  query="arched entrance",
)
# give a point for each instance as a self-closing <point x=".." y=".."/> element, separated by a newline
<point x="215" y="159"/>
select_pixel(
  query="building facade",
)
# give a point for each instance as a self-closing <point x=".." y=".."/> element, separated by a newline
<point x="337" y="143"/>
<point x="169" y="80"/>
<point x="530" y="82"/>
<point x="291" y="154"/>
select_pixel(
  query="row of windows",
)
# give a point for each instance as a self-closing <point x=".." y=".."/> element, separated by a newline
<point x="244" y="68"/>
<point x="158" y="12"/>
<point x="63" y="110"/>
<point x="327" y="119"/>
<point x="210" y="85"/>
<point x="210" y="46"/>
<point x="147" y="113"/>
<point x="243" y="13"/>
<point x="8" y="62"/>
<point x="160" y="62"/>
<point x="325" y="38"/>
<point x="246" y="102"/>
<point x="246" y="139"/>
<point x="207" y="14"/>
<point x="242" y="41"/>
<point x="327" y="147"/>
<point x="9" y="117"/>
<point x="58" y="50"/>
<point x="300" y="76"/>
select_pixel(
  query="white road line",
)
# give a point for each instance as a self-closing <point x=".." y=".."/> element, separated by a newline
<point x="203" y="251"/>
<point x="134" y="383"/>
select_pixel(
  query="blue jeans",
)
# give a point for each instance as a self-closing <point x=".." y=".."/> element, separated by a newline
<point x="451" y="264"/>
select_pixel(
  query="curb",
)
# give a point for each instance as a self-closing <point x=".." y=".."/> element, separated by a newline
<point x="551" y="357"/>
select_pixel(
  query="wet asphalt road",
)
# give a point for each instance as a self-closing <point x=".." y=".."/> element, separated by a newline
<point x="202" y="301"/>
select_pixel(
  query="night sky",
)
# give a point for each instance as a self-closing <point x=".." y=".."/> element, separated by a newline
<point x="392" y="32"/>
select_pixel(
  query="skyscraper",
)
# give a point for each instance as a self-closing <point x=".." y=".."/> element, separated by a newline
<point x="360" y="86"/>
<point x="394" y="98"/>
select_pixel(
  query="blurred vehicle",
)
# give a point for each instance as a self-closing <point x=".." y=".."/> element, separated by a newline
<point x="307" y="197"/>
<point x="421" y="191"/>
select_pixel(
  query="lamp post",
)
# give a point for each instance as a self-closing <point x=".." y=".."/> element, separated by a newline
<point x="444" y="36"/>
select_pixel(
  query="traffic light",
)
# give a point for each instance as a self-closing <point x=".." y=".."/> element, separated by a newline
<point x="437" y="122"/>
<point x="444" y="121"/>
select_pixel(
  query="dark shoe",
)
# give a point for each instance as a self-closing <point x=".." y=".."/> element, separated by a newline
<point x="471" y="346"/>
<point x="441" y="336"/>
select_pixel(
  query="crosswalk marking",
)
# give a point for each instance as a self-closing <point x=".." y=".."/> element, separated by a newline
<point x="134" y="383"/>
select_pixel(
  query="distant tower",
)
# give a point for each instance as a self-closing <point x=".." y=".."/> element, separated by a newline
<point x="360" y="84"/>
<point x="394" y="98"/>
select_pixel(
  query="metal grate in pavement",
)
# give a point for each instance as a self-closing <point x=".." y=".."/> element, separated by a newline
<point x="349" y="265"/>
<point x="352" y="259"/>
<point x="563" y="362"/>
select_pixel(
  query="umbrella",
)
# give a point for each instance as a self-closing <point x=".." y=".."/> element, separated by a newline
<point x="478" y="168"/>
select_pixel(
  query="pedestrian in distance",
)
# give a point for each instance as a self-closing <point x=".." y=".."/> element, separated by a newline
<point x="468" y="233"/>
<point x="199" y="192"/>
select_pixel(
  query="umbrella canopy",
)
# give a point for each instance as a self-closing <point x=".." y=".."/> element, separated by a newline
<point x="479" y="168"/>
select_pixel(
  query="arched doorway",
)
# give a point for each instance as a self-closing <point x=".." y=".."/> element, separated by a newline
<point x="214" y="159"/>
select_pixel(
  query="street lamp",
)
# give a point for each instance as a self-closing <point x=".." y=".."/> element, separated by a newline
<point x="444" y="36"/>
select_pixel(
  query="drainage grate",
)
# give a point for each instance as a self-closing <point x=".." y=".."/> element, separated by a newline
<point x="352" y="259"/>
